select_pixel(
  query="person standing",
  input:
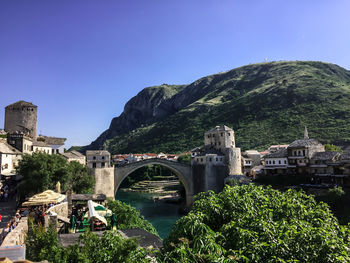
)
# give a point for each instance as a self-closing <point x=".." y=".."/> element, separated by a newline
<point x="0" y="217"/>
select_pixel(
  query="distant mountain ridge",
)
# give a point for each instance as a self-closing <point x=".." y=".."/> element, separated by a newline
<point x="265" y="103"/>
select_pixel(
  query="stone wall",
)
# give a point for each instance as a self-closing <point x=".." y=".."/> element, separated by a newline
<point x="233" y="158"/>
<point x="104" y="178"/>
<point x="60" y="209"/>
<point x="22" y="119"/>
<point x="17" y="236"/>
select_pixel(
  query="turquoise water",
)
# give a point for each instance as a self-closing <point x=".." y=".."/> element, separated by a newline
<point x="161" y="215"/>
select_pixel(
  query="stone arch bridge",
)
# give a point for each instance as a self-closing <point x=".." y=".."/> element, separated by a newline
<point x="108" y="180"/>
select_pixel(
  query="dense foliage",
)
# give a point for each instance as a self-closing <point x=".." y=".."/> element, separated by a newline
<point x="332" y="148"/>
<point x="257" y="224"/>
<point x="129" y="217"/>
<point x="111" y="247"/>
<point x="42" y="171"/>
<point x="258" y="101"/>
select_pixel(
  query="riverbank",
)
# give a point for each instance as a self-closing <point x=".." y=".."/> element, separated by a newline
<point x="164" y="190"/>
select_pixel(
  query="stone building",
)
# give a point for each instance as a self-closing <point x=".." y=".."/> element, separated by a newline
<point x="21" y="129"/>
<point x="218" y="159"/>
<point x="56" y="144"/>
<point x="98" y="159"/>
<point x="250" y="159"/>
<point x="300" y="153"/>
<point x="21" y="142"/>
<point x="74" y="156"/>
<point x="21" y="116"/>
<point x="9" y="157"/>
<point x="276" y="162"/>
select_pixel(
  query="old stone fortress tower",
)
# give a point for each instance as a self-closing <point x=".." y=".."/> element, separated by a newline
<point x="21" y="128"/>
<point x="21" y="117"/>
<point x="217" y="159"/>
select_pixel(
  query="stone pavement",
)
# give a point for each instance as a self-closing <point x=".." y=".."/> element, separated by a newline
<point x="7" y="210"/>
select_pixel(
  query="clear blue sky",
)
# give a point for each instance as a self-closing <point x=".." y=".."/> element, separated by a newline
<point x="80" y="61"/>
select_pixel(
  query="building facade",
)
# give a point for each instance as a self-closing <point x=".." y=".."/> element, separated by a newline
<point x="98" y="159"/>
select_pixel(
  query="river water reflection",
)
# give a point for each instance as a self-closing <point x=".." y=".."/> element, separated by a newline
<point x="161" y="215"/>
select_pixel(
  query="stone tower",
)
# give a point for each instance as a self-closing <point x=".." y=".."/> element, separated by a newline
<point x="222" y="138"/>
<point x="21" y="116"/>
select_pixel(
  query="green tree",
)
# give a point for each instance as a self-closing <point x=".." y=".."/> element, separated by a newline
<point x="184" y="158"/>
<point x="82" y="181"/>
<point x="43" y="244"/>
<point x="257" y="224"/>
<point x="332" y="148"/>
<point x="129" y="217"/>
<point x="42" y="171"/>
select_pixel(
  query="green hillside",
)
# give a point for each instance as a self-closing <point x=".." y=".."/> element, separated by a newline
<point x="267" y="103"/>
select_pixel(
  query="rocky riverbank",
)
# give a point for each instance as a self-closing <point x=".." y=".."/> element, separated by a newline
<point x="164" y="190"/>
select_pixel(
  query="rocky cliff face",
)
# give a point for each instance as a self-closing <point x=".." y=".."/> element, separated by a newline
<point x="143" y="109"/>
<point x="266" y="103"/>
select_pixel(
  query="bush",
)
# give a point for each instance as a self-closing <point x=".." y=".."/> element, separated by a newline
<point x="257" y="224"/>
<point x="111" y="247"/>
<point x="129" y="217"/>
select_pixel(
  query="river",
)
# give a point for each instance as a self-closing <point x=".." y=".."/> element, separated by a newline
<point x="162" y="215"/>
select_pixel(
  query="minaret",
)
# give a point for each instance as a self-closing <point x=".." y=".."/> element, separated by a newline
<point x="306" y="134"/>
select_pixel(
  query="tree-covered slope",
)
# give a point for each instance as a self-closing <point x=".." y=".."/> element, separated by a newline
<point x="267" y="103"/>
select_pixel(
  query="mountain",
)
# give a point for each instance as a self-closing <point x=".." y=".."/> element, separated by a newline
<point x="265" y="103"/>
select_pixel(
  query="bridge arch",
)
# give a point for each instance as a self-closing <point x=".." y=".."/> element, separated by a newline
<point x="181" y="170"/>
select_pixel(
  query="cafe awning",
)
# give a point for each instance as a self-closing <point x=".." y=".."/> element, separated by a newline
<point x="46" y="197"/>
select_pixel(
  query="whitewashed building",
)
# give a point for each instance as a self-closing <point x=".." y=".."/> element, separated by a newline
<point x="9" y="157"/>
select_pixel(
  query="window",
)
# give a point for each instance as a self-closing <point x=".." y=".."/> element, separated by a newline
<point x="93" y="165"/>
<point x="273" y="162"/>
<point x="103" y="157"/>
<point x="304" y="152"/>
<point x="209" y="159"/>
<point x="201" y="159"/>
<point x="102" y="165"/>
<point x="216" y="159"/>
<point x="222" y="134"/>
<point x="279" y="161"/>
<point x="285" y="162"/>
<point x="229" y="134"/>
<point x="208" y="136"/>
<point x="94" y="157"/>
<point x="219" y="143"/>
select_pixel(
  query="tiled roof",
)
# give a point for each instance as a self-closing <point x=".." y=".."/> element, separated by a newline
<point x="345" y="156"/>
<point x="21" y="103"/>
<point x="279" y="154"/>
<point x="97" y="152"/>
<point x="73" y="154"/>
<point x="6" y="148"/>
<point x="51" y="140"/>
<point x="303" y="143"/>
<point x="40" y="144"/>
<point x="324" y="156"/>
<point x="220" y="128"/>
